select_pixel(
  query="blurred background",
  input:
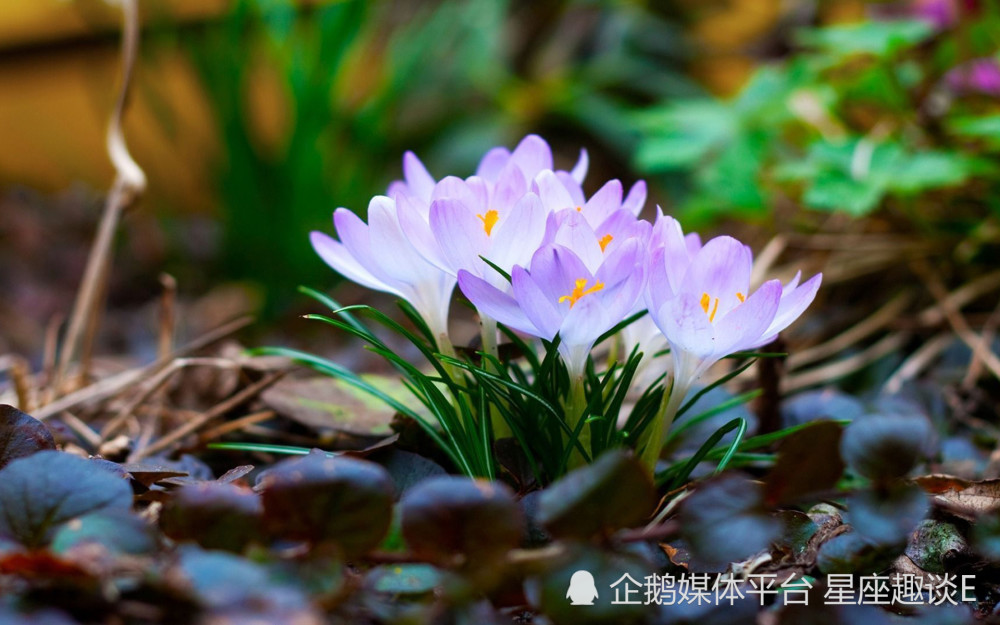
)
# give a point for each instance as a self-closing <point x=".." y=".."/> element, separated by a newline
<point x="255" y="119"/>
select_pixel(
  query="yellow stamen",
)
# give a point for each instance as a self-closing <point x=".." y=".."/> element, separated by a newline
<point x="706" y="301"/>
<point x="579" y="209"/>
<point x="489" y="220"/>
<point x="605" y="240"/>
<point x="578" y="292"/>
<point x="740" y="297"/>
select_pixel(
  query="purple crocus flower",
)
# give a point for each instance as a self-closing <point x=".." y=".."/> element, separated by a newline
<point x="531" y="156"/>
<point x="559" y="294"/>
<point x="977" y="76"/>
<point x="556" y="196"/>
<point x="703" y="304"/>
<point x="380" y="256"/>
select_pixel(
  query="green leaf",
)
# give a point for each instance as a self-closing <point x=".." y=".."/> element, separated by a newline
<point x="878" y="38"/>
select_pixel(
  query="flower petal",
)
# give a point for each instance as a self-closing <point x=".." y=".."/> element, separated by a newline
<point x="459" y="234"/>
<point x="686" y="326"/>
<point x="793" y="303"/>
<point x="492" y="162"/>
<point x="579" y="171"/>
<point x="636" y="198"/>
<point x="418" y="232"/>
<point x="419" y="180"/>
<point x="519" y="235"/>
<point x="494" y="303"/>
<point x="336" y="256"/>
<point x="553" y="194"/>
<point x="532" y="155"/>
<point x="722" y="270"/>
<point x="536" y="304"/>
<point x="510" y="187"/>
<point x="744" y="326"/>
<point x="572" y="187"/>
<point x="602" y="204"/>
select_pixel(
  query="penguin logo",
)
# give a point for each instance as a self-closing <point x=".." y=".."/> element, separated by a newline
<point x="582" y="590"/>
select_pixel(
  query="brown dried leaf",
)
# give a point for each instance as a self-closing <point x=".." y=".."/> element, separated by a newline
<point x="329" y="404"/>
<point x="965" y="499"/>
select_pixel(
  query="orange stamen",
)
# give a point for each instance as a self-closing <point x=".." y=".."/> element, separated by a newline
<point x="579" y="291"/>
<point x="489" y="220"/>
<point x="706" y="301"/>
<point x="741" y="297"/>
<point x="605" y="240"/>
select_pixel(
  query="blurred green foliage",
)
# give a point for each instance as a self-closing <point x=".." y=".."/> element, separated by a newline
<point x="857" y="118"/>
<point x="365" y="81"/>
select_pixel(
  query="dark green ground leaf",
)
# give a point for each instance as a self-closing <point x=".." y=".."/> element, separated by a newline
<point x="882" y="447"/>
<point x="934" y="545"/>
<point x="46" y="489"/>
<point x="851" y="553"/>
<point x="723" y="521"/>
<point x="407" y="469"/>
<point x="612" y="493"/>
<point x="808" y="462"/>
<point x="241" y="590"/>
<point x="405" y="579"/>
<point x="456" y="521"/>
<point x="827" y="403"/>
<point x="118" y="531"/>
<point x="322" y="498"/>
<point x="21" y="435"/>
<point x="887" y="516"/>
<point x="797" y="529"/>
<point x="214" y="515"/>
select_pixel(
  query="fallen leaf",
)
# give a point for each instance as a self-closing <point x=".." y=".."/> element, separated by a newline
<point x="965" y="499"/>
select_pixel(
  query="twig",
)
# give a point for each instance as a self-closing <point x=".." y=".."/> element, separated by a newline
<point x="168" y="304"/>
<point x="156" y="383"/>
<point x="917" y="361"/>
<point x="82" y="429"/>
<point x="108" y="387"/>
<point x="842" y="368"/>
<point x="853" y="335"/>
<point x="956" y="320"/>
<point x="988" y="333"/>
<point x="129" y="184"/>
<point x="236" y="425"/>
<point x="220" y="409"/>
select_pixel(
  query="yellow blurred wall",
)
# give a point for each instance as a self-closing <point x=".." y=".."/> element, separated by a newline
<point x="58" y="79"/>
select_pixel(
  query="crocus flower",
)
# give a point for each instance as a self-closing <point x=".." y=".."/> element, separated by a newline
<point x="531" y="156"/>
<point x="557" y="196"/>
<point x="678" y="249"/>
<point x="978" y="76"/>
<point x="559" y="295"/>
<point x="379" y="256"/>
<point x="706" y="310"/>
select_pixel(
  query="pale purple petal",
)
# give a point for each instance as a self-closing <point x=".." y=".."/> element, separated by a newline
<point x="744" y="325"/>
<point x="625" y="262"/>
<point x="453" y="187"/>
<point x="793" y="303"/>
<point x="553" y="194"/>
<point x="722" y="270"/>
<point x="459" y="235"/>
<point x="575" y="233"/>
<point x="394" y="255"/>
<point x="532" y="155"/>
<point x="636" y="198"/>
<point x="579" y="171"/>
<point x="421" y="183"/>
<point x="573" y="187"/>
<point x="602" y="204"/>
<point x="510" y="187"/>
<point x="517" y="236"/>
<point x="418" y="232"/>
<point x="686" y="326"/>
<point x="536" y="304"/>
<point x="492" y="162"/>
<point x="494" y="303"/>
<point x="354" y="235"/>
<point x="336" y="256"/>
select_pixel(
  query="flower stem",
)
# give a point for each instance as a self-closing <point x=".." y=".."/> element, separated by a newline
<point x="576" y="405"/>
<point x="488" y="329"/>
<point x="656" y="435"/>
